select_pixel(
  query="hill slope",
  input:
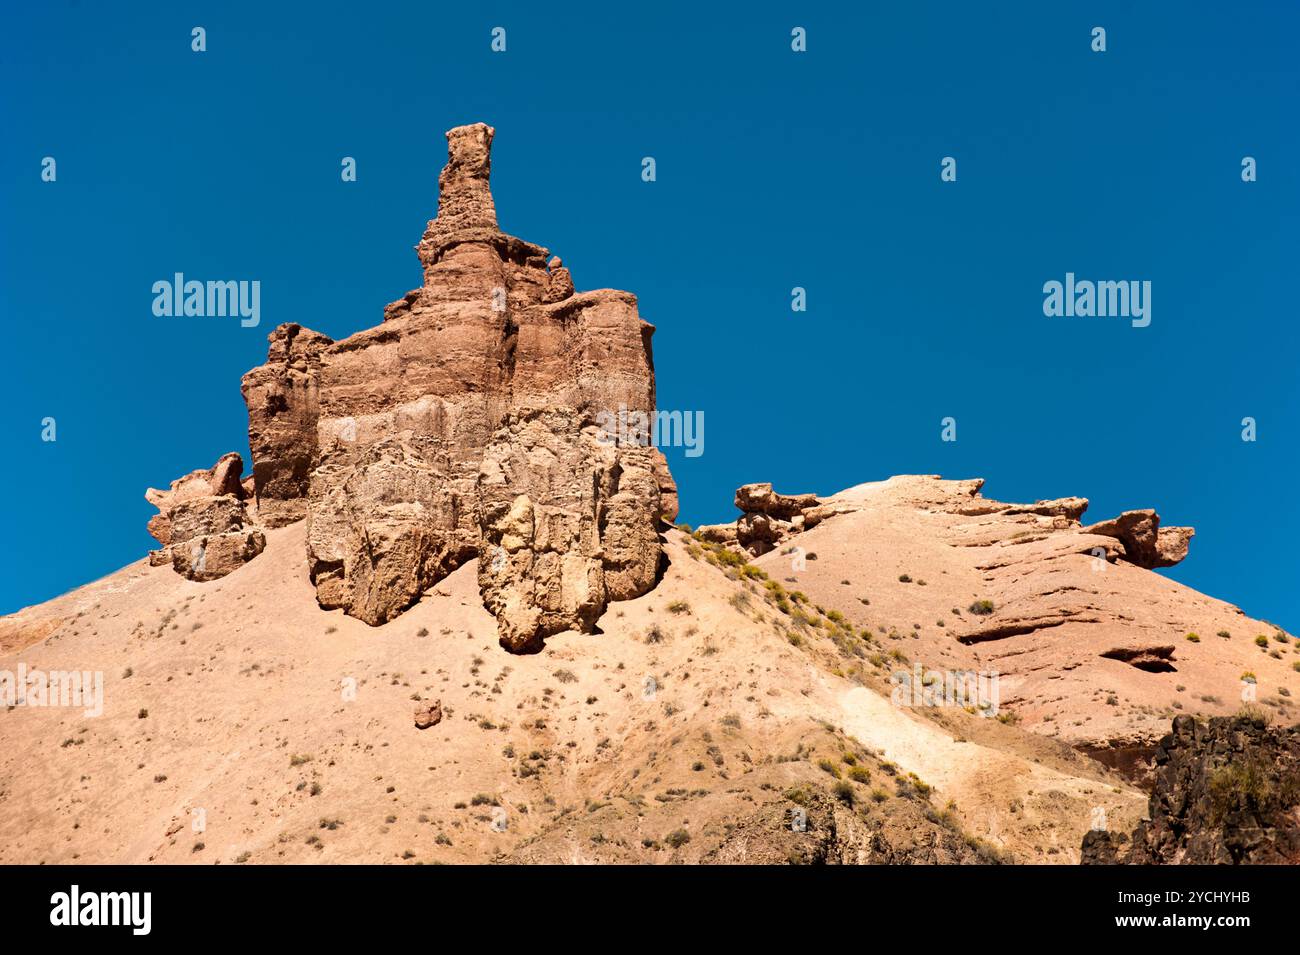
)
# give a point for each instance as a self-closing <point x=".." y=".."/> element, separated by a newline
<point x="701" y="724"/>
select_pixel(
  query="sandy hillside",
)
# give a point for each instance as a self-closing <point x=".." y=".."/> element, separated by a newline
<point x="1094" y="652"/>
<point x="703" y="723"/>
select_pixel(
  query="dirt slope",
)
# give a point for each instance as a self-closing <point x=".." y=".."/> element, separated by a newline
<point x="701" y="724"/>
<point x="1093" y="652"/>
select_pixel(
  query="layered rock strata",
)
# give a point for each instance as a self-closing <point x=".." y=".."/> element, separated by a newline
<point x="204" y="524"/>
<point x="463" y="426"/>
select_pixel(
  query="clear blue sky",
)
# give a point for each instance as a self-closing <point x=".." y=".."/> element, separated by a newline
<point x="775" y="170"/>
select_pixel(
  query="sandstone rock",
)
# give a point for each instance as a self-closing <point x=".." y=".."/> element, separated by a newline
<point x="212" y="556"/>
<point x="1071" y="508"/>
<point x="761" y="499"/>
<point x="428" y="713"/>
<point x="559" y="285"/>
<point x="203" y="522"/>
<point x="434" y="435"/>
<point x="668" y="505"/>
<point x="282" y="400"/>
<point x="220" y="479"/>
<point x="1145" y="542"/>
<point x="567" y="525"/>
<point x="759" y="533"/>
<point x="1153" y="659"/>
<point x="770" y="518"/>
<point x="717" y="533"/>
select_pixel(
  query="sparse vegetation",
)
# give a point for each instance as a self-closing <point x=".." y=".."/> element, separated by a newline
<point x="677" y="838"/>
<point x="1241" y="784"/>
<point x="981" y="608"/>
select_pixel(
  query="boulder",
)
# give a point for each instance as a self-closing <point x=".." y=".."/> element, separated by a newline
<point x="204" y="523"/>
<point x="428" y="713"/>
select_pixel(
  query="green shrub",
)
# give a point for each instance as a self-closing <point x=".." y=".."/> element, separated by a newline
<point x="677" y="838"/>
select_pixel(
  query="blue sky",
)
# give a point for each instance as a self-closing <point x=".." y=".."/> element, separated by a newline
<point x="774" y="170"/>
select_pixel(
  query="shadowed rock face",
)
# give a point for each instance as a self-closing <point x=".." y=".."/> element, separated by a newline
<point x="466" y="422"/>
<point x="1226" y="792"/>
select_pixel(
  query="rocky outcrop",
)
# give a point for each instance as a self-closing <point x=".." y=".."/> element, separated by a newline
<point x="768" y="518"/>
<point x="462" y="427"/>
<point x="564" y="522"/>
<point x="204" y="523"/>
<point x="1146" y="543"/>
<point x="283" y="401"/>
<point x="1226" y="792"/>
<point x="1157" y="659"/>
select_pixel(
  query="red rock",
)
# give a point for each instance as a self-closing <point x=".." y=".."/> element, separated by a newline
<point x="478" y="389"/>
<point x="282" y="414"/>
<point x="428" y="713"/>
<point x="1146" y="543"/>
<point x="203" y="522"/>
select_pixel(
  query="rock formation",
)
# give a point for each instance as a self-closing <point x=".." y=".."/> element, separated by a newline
<point x="1226" y="792"/>
<point x="768" y="518"/>
<point x="1146" y="543"/>
<point x="465" y="425"/>
<point x="203" y="523"/>
<point x="283" y="403"/>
